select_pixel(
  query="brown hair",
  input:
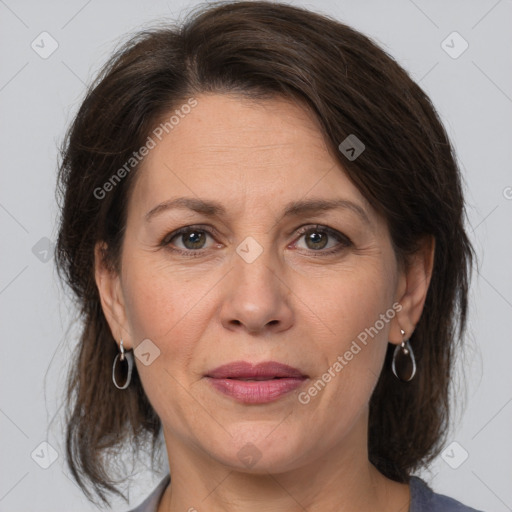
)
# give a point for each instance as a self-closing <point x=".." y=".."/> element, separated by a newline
<point x="407" y="172"/>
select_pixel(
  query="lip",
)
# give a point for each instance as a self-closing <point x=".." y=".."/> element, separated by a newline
<point x="274" y="380"/>
<point x="246" y="370"/>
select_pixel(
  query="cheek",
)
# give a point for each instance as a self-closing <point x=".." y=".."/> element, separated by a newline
<point x="162" y="306"/>
<point x="158" y="298"/>
<point x="152" y="307"/>
<point x="354" y="300"/>
<point x="356" y="306"/>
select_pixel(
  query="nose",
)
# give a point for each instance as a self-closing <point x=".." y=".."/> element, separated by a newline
<point x="256" y="298"/>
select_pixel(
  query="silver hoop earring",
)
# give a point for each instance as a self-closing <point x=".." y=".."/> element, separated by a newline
<point x="127" y="359"/>
<point x="404" y="364"/>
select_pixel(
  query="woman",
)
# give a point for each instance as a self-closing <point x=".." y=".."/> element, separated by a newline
<point x="263" y="224"/>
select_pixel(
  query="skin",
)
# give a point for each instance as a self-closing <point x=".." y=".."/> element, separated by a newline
<point x="294" y="304"/>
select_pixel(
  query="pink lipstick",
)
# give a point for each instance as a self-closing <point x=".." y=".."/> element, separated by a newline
<point x="255" y="384"/>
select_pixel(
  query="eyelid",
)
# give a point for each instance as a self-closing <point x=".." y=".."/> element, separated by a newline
<point x="321" y="227"/>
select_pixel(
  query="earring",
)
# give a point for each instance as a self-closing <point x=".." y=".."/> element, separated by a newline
<point x="404" y="364"/>
<point x="127" y="358"/>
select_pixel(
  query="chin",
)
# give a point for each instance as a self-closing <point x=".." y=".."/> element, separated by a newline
<point x="257" y="451"/>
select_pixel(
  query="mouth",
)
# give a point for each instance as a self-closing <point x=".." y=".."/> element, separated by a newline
<point x="255" y="384"/>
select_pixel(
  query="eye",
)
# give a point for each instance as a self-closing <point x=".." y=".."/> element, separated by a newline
<point x="192" y="238"/>
<point x="320" y="238"/>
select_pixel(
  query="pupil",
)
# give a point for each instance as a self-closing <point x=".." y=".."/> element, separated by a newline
<point x="316" y="238"/>
<point x="194" y="239"/>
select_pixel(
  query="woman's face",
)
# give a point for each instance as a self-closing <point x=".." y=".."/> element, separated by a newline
<point x="258" y="273"/>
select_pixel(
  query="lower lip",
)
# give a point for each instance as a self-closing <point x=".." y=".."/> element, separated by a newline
<point x="256" y="392"/>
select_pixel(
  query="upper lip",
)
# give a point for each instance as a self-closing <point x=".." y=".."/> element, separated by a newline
<point x="246" y="370"/>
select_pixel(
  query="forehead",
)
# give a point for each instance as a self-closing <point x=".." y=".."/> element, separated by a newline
<point x="238" y="151"/>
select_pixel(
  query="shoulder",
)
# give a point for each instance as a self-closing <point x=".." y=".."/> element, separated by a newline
<point x="150" y="504"/>
<point x="424" y="499"/>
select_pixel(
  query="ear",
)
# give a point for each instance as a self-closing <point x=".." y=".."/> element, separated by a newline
<point x="108" y="282"/>
<point x="413" y="283"/>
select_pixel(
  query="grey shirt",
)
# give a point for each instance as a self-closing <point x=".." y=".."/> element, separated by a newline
<point x="423" y="499"/>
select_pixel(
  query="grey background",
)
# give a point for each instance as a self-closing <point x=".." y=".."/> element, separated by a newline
<point x="38" y="97"/>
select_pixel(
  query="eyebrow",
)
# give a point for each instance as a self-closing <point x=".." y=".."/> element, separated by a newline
<point x="294" y="209"/>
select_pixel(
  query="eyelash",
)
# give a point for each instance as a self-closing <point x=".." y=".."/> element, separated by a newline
<point x="343" y="240"/>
